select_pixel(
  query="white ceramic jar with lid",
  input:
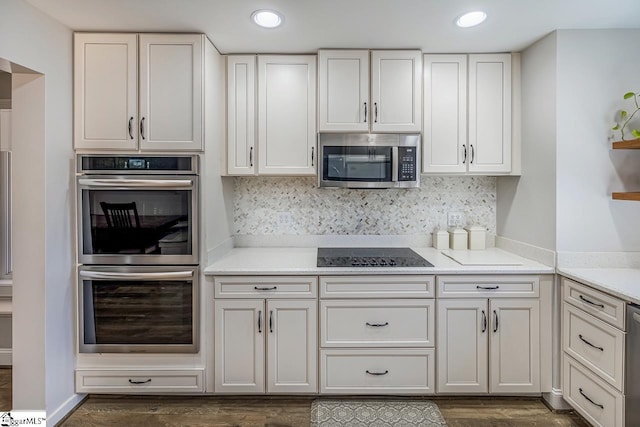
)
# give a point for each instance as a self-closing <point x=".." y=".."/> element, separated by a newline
<point x="440" y="239"/>
<point x="457" y="239"/>
<point x="477" y="237"/>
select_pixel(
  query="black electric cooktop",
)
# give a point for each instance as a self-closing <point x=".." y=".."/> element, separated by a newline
<point x="370" y="257"/>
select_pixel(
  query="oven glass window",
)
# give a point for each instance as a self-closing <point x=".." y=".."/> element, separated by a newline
<point x="369" y="164"/>
<point x="137" y="222"/>
<point x="138" y="312"/>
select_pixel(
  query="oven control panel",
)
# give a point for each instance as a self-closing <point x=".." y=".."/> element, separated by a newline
<point x="407" y="163"/>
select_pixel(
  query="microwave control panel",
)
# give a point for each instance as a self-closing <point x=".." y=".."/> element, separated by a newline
<point x="407" y="163"/>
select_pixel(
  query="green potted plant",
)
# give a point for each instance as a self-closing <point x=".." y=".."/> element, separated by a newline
<point x="623" y="117"/>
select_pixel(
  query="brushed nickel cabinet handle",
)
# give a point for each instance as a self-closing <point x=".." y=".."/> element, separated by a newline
<point x="377" y="373"/>
<point x="591" y="302"/>
<point x="589" y="399"/>
<point x="588" y="343"/>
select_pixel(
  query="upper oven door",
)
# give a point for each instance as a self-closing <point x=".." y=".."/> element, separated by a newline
<point x="125" y="220"/>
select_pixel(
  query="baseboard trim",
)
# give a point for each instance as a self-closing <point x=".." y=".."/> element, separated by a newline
<point x="63" y="411"/>
<point x="555" y="402"/>
<point x="6" y="356"/>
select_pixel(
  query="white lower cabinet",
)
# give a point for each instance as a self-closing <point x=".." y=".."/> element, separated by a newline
<point x="377" y="335"/>
<point x="377" y="371"/>
<point x="488" y="345"/>
<point x="139" y="381"/>
<point x="258" y="336"/>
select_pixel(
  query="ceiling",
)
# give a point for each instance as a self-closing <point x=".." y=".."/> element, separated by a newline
<point x="308" y="25"/>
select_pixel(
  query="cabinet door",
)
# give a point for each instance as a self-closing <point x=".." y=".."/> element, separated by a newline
<point x="105" y="95"/>
<point x="292" y="359"/>
<point x="343" y="90"/>
<point x="287" y="115"/>
<point x="462" y="346"/>
<point x="445" y="114"/>
<point x="490" y="113"/>
<point x="239" y="346"/>
<point x="396" y="90"/>
<point x="171" y="91"/>
<point x="514" y="353"/>
<point x="241" y="118"/>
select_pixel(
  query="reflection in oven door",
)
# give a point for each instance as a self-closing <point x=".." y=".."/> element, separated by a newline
<point x="138" y="309"/>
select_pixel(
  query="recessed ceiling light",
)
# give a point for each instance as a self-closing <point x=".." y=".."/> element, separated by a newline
<point x="267" y="18"/>
<point x="471" y="19"/>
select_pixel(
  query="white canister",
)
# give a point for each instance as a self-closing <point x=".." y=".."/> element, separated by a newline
<point x="457" y="239"/>
<point x="440" y="239"/>
<point x="477" y="237"/>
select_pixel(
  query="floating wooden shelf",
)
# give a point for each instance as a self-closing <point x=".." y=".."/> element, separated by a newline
<point x="627" y="196"/>
<point x="633" y="144"/>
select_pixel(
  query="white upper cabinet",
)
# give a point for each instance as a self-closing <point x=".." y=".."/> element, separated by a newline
<point x="106" y="91"/>
<point x="171" y="91"/>
<point x="396" y="86"/>
<point x="445" y="114"/>
<point x="343" y="90"/>
<point x="241" y="114"/>
<point x="490" y="113"/>
<point x="390" y="103"/>
<point x="287" y="115"/>
<point x="111" y="112"/>
<point x="467" y="114"/>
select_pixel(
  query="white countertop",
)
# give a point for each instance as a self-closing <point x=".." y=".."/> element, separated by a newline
<point x="623" y="283"/>
<point x="293" y="260"/>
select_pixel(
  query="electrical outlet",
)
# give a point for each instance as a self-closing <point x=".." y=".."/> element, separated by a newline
<point x="284" y="219"/>
<point x="454" y="219"/>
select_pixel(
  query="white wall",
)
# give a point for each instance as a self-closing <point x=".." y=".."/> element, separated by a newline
<point x="595" y="68"/>
<point x="44" y="354"/>
<point x="526" y="205"/>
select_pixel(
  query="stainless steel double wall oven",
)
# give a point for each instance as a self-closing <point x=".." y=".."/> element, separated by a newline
<point x="138" y="250"/>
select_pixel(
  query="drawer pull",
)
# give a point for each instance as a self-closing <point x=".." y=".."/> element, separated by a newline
<point x="588" y="343"/>
<point x="139" y="382"/>
<point x="591" y="302"/>
<point x="257" y="288"/>
<point x="377" y="373"/>
<point x="591" y="401"/>
<point x="487" y="288"/>
<point x="377" y="325"/>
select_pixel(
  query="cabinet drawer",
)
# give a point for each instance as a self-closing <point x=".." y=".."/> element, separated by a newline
<point x="409" y="371"/>
<point x="594" y="302"/>
<point x="260" y="287"/>
<point x="593" y="398"/>
<point x="139" y="381"/>
<point x="376" y="287"/>
<point x="376" y="323"/>
<point x="488" y="286"/>
<point x="597" y="345"/>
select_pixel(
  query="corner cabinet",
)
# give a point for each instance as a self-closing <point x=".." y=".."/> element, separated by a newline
<point x="488" y="335"/>
<point x="164" y="112"/>
<point x="265" y="335"/>
<point x="271" y="123"/>
<point x="467" y="114"/>
<point x="390" y="103"/>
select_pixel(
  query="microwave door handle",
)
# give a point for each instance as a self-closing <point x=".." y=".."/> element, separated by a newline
<point x="138" y="183"/>
<point x="104" y="275"/>
<point x="394" y="164"/>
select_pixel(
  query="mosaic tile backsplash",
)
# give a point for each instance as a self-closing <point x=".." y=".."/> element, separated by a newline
<point x="296" y="206"/>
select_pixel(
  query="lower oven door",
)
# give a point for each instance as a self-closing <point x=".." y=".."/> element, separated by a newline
<point x="138" y="309"/>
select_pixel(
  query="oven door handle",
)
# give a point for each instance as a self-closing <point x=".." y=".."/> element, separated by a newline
<point x="137" y="183"/>
<point x="103" y="275"/>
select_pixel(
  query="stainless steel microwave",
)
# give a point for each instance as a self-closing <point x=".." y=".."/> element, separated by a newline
<point x="369" y="160"/>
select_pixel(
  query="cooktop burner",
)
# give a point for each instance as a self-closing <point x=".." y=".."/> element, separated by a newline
<point x="370" y="257"/>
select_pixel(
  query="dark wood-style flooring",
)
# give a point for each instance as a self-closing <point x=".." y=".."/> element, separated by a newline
<point x="295" y="412"/>
<point x="5" y="389"/>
